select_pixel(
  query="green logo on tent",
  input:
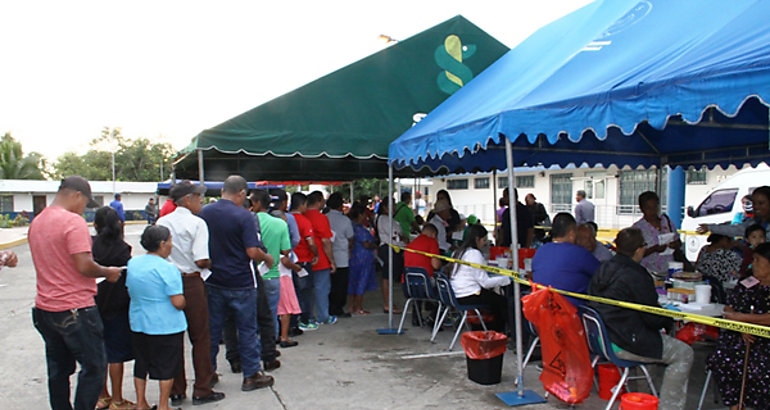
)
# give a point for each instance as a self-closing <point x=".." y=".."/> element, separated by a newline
<point x="450" y="57"/>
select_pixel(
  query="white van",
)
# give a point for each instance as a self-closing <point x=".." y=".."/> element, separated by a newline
<point x="721" y="204"/>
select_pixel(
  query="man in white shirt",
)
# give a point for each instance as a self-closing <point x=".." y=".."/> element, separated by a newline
<point x="342" y="242"/>
<point x="190" y="253"/>
<point x="441" y="214"/>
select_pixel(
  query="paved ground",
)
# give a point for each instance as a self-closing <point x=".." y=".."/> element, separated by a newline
<point x="346" y="365"/>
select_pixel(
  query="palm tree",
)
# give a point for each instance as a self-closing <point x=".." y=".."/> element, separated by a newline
<point x="13" y="163"/>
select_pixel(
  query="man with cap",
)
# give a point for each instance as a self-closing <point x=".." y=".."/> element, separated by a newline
<point x="190" y="254"/>
<point x="441" y="214"/>
<point x="118" y="206"/>
<point x="65" y="313"/>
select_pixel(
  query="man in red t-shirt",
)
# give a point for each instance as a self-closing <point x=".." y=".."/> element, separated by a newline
<point x="307" y="254"/>
<point x="65" y="313"/>
<point x="425" y="242"/>
<point x="325" y="266"/>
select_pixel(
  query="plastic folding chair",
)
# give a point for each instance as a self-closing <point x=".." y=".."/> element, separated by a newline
<point x="447" y="297"/>
<point x="600" y="346"/>
<point x="418" y="287"/>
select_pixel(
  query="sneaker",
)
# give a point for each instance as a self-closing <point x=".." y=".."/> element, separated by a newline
<point x="257" y="381"/>
<point x="331" y="320"/>
<point x="307" y="326"/>
<point x="287" y="343"/>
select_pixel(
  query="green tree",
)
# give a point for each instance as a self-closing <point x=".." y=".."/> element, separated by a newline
<point x="135" y="159"/>
<point x="14" y="164"/>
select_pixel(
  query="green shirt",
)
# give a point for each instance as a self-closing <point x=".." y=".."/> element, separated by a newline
<point x="404" y="215"/>
<point x="275" y="237"/>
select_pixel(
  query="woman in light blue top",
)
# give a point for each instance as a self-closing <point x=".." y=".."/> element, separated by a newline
<point x="155" y="314"/>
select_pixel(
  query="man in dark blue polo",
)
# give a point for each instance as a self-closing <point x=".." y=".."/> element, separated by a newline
<point x="232" y="286"/>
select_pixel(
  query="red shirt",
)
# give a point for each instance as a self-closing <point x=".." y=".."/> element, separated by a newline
<point x="321" y="230"/>
<point x="425" y="244"/>
<point x="168" y="207"/>
<point x="304" y="254"/>
<point x="54" y="236"/>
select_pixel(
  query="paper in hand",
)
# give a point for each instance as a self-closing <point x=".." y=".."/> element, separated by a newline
<point x="263" y="269"/>
<point x="302" y="273"/>
<point x="205" y="273"/>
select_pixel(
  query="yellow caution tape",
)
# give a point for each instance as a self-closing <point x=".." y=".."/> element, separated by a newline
<point x="742" y="327"/>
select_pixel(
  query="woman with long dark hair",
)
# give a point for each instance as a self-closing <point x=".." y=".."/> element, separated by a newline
<point x="109" y="249"/>
<point x="472" y="285"/>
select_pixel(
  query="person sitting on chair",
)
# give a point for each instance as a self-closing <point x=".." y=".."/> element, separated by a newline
<point x="636" y="335"/>
<point x="472" y="285"/>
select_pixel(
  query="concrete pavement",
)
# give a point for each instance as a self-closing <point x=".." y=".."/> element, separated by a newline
<point x="346" y="365"/>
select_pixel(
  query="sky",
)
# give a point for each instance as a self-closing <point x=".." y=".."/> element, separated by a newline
<point x="166" y="70"/>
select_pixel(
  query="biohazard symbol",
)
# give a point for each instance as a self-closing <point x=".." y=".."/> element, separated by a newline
<point x="558" y="364"/>
<point x="450" y="57"/>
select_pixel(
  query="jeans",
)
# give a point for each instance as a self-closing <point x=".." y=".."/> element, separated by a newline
<point x="321" y="286"/>
<point x="73" y="336"/>
<point x="273" y="291"/>
<point x="678" y="357"/>
<point x="265" y="323"/>
<point x="304" y="289"/>
<point x="242" y="303"/>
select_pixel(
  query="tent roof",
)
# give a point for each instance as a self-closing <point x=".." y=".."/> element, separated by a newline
<point x="621" y="82"/>
<point x="352" y="113"/>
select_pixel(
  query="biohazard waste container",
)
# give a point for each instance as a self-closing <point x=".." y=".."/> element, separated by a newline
<point x="484" y="355"/>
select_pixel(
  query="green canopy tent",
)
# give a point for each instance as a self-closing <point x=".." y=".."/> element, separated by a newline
<point x="338" y="127"/>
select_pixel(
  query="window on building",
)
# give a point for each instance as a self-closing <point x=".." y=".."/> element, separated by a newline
<point x="595" y="185"/>
<point x="696" y="176"/>
<point x="719" y="202"/>
<point x="6" y="203"/>
<point x="561" y="193"/>
<point x="456" y="184"/>
<point x="630" y="185"/>
<point x="522" y="181"/>
<point x="525" y="181"/>
<point x="481" y="183"/>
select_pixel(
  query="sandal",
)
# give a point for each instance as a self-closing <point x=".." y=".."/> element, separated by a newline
<point x="395" y="311"/>
<point x="123" y="405"/>
<point x="362" y="312"/>
<point x="103" y="403"/>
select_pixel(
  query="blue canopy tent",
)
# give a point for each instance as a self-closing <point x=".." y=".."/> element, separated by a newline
<point x="623" y="82"/>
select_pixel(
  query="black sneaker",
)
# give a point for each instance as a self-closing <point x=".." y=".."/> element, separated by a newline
<point x="177" y="399"/>
<point x="288" y="343"/>
<point x="236" y="367"/>
<point x="272" y="365"/>
<point x="295" y="331"/>
<point x="214" y="396"/>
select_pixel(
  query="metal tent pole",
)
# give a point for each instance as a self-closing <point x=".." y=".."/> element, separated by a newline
<point x="200" y="165"/>
<point x="390" y="330"/>
<point x="351" y="192"/>
<point x="520" y="396"/>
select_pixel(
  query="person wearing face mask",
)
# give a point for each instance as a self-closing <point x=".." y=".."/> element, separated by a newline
<point x="747" y="213"/>
<point x="636" y="335"/>
<point x="472" y="286"/>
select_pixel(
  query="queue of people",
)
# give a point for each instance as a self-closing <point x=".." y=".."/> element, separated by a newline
<point x="256" y="271"/>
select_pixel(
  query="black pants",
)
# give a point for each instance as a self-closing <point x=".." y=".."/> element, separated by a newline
<point x="339" y="292"/>
<point x="497" y="304"/>
<point x="267" y="330"/>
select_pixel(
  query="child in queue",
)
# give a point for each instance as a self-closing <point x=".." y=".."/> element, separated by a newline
<point x="155" y="314"/>
<point x="755" y="236"/>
